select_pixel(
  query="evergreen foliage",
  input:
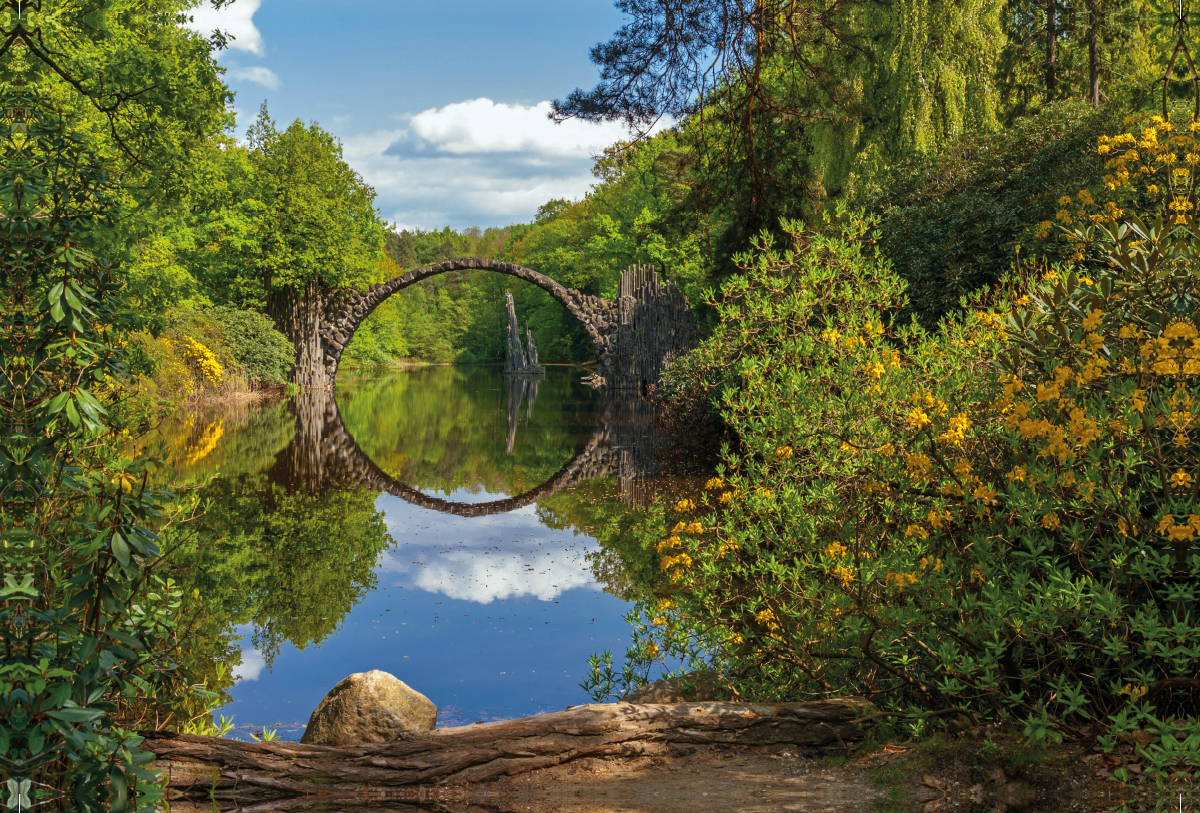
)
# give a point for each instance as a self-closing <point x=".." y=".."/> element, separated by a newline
<point x="994" y="520"/>
<point x="84" y="622"/>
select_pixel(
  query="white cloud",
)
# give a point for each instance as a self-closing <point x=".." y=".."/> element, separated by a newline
<point x="252" y="665"/>
<point x="235" y="19"/>
<point x="478" y="163"/>
<point x="263" y="76"/>
<point x="482" y="126"/>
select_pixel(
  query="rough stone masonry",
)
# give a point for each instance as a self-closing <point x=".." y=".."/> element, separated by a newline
<point x="630" y="345"/>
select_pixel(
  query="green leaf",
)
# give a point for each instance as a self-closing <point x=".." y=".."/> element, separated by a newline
<point x="131" y="641"/>
<point x="75" y="714"/>
<point x="57" y="403"/>
<point x="72" y="414"/>
<point x="120" y="549"/>
<point x="119" y="800"/>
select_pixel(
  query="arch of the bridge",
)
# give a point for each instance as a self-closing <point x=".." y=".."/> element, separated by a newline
<point x="342" y="318"/>
<point x="591" y="461"/>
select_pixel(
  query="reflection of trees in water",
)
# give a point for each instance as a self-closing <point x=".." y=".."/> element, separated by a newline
<point x="290" y="542"/>
<point x="289" y="564"/>
<point x="239" y="437"/>
<point x="325" y="454"/>
<point x="444" y="429"/>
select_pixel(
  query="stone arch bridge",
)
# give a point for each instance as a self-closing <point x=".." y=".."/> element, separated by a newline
<point x="635" y="338"/>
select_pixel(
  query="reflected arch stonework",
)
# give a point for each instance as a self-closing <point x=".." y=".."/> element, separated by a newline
<point x="324" y="455"/>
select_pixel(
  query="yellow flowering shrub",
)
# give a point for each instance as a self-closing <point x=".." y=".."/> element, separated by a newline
<point x="201" y="360"/>
<point x="1004" y="521"/>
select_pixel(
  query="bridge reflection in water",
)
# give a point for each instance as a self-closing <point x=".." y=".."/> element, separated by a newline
<point x="323" y="454"/>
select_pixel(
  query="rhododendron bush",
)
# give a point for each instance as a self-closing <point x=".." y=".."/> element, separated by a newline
<point x="996" y="520"/>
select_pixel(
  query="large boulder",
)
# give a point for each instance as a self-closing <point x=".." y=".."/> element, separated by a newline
<point x="369" y="707"/>
<point x="694" y="687"/>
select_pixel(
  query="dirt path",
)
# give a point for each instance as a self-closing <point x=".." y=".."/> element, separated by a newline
<point x="689" y="780"/>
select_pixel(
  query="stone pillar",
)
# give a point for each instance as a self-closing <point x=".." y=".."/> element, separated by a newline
<point x="531" y="359"/>
<point x="654" y="328"/>
<point x="297" y="313"/>
<point x="514" y="354"/>
<point x="518" y="359"/>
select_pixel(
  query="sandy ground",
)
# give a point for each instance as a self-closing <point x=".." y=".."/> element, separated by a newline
<point x="775" y="779"/>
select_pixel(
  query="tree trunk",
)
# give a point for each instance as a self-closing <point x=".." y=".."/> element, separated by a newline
<point x="1094" y="52"/>
<point x="297" y="313"/>
<point x="1051" y="49"/>
<point x="203" y="768"/>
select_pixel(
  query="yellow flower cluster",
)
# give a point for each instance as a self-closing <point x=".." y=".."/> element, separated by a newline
<point x="836" y="550"/>
<point x="1156" y="159"/>
<point x="1179" y="532"/>
<point x="957" y="432"/>
<point x="768" y="618"/>
<point x="201" y="359"/>
<point x="901" y="580"/>
<point x="844" y="574"/>
<point x="678" y="559"/>
<point x="1174" y="353"/>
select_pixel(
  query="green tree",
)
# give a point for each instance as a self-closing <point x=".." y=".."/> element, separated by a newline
<point x="1093" y="51"/>
<point x="100" y="106"/>
<point x="83" y="620"/>
<point x="955" y="222"/>
<point x="303" y="228"/>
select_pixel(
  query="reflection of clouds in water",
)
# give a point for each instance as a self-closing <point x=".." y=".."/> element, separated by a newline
<point x="482" y="559"/>
<point x="252" y="665"/>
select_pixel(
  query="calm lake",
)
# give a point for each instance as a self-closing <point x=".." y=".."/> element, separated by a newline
<point x="472" y="535"/>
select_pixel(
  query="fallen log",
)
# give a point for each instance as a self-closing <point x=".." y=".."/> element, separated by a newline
<point x="261" y="774"/>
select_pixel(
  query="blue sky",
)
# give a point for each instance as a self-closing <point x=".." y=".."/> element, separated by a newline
<point x="441" y="106"/>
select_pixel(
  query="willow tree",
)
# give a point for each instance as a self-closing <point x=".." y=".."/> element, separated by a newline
<point x="784" y="99"/>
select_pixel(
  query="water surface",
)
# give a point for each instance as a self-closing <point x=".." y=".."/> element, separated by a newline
<point x="442" y="524"/>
